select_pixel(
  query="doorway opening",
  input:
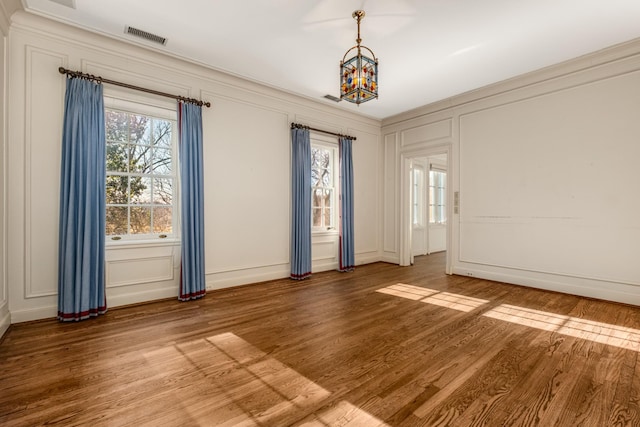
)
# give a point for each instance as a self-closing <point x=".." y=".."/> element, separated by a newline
<point x="425" y="210"/>
<point x="428" y="205"/>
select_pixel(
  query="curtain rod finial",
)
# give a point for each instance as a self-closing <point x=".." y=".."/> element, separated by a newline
<point x="61" y="70"/>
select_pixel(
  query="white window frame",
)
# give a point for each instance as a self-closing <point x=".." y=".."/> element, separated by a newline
<point x="323" y="142"/>
<point x="160" y="110"/>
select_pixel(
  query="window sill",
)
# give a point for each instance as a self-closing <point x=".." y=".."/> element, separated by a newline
<point x="325" y="233"/>
<point x="146" y="243"/>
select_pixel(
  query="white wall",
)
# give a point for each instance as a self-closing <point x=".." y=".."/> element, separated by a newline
<point x="546" y="169"/>
<point x="246" y="162"/>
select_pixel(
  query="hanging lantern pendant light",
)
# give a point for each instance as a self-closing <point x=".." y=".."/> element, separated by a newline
<point x="358" y="72"/>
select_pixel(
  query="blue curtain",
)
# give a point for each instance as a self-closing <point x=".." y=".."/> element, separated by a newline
<point x="347" y="251"/>
<point x="192" y="279"/>
<point x="300" y="204"/>
<point x="81" y="282"/>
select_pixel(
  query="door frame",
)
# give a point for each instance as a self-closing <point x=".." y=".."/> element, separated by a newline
<point x="405" y="232"/>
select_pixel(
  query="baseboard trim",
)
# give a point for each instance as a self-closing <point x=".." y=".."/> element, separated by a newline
<point x="390" y="259"/>
<point x="368" y="258"/>
<point x="5" y="320"/>
<point x="589" y="289"/>
<point x="249" y="276"/>
<point x="28" y="315"/>
<point x="141" y="297"/>
<point x="51" y="312"/>
<point x="233" y="278"/>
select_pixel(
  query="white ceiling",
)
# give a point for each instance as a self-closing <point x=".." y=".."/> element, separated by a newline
<point x="428" y="49"/>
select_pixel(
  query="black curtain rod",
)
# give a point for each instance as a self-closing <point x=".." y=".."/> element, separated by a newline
<point x="99" y="79"/>
<point x="299" y="126"/>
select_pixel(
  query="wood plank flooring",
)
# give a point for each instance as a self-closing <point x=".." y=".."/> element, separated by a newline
<point x="382" y="346"/>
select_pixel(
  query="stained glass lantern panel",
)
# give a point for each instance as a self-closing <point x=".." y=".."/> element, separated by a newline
<point x="359" y="79"/>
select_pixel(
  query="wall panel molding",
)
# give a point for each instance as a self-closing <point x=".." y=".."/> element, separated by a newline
<point x="136" y="271"/>
<point x="430" y="132"/>
<point x="324" y="251"/>
<point x="44" y="87"/>
<point x="390" y="196"/>
<point x="554" y="145"/>
<point x="236" y="269"/>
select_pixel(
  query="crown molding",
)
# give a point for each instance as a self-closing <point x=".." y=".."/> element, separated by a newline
<point x="7" y="9"/>
<point x="591" y="60"/>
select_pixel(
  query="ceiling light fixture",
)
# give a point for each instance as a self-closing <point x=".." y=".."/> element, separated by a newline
<point x="359" y="73"/>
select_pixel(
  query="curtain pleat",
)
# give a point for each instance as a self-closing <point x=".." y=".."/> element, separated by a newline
<point x="347" y="250"/>
<point x="81" y="281"/>
<point x="192" y="278"/>
<point x="301" y="204"/>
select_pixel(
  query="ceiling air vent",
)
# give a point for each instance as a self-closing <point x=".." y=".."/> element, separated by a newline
<point x="332" y="98"/>
<point x="145" y="35"/>
<point x="68" y="3"/>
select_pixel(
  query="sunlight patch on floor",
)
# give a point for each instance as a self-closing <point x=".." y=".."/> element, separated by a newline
<point x="605" y="333"/>
<point x="435" y="297"/>
<point x="343" y="414"/>
<point x="247" y="386"/>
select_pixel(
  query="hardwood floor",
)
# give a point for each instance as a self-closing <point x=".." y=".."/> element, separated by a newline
<point x="384" y="345"/>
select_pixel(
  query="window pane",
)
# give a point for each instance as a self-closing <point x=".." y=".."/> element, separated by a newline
<point x="327" y="218"/>
<point x="140" y="190"/>
<point x="443" y="217"/>
<point x="320" y="158"/>
<point x="316" y="198"/>
<point x="162" y="220"/>
<point x="162" y="191"/>
<point x="325" y="177"/>
<point x="161" y="161"/>
<point x="117" y="157"/>
<point x="328" y="198"/>
<point x="439" y="193"/>
<point x="116" y="220"/>
<point x="140" y="158"/>
<point x="116" y="126"/>
<point x="321" y="167"/>
<point x="140" y="220"/>
<point x="139" y="129"/>
<point x="316" y="220"/>
<point x="162" y="133"/>
<point x="117" y="189"/>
